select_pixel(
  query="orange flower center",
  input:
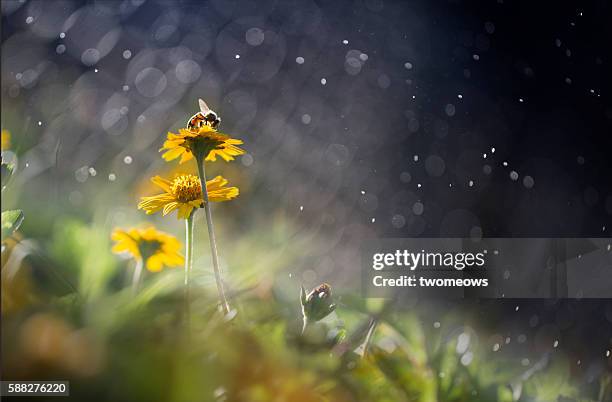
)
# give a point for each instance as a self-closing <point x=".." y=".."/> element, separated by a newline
<point x="187" y="188"/>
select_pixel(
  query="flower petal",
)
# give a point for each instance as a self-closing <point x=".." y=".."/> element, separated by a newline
<point x="163" y="183"/>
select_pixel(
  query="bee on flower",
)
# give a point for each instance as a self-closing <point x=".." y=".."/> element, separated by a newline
<point x="201" y="139"/>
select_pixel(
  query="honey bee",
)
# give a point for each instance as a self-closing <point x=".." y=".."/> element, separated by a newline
<point x="206" y="116"/>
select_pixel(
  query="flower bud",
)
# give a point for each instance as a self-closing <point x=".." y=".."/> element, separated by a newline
<point x="317" y="304"/>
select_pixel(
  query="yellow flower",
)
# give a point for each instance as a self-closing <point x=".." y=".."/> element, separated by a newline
<point x="6" y="140"/>
<point x="185" y="193"/>
<point x="157" y="248"/>
<point x="206" y="140"/>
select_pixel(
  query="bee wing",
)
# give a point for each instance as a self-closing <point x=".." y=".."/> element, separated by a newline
<point x="203" y="106"/>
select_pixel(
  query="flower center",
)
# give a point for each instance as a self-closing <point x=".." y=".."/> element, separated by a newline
<point x="148" y="248"/>
<point x="187" y="188"/>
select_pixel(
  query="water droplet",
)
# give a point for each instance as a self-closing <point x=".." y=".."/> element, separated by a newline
<point x="81" y="174"/>
<point x="514" y="175"/>
<point x="408" y="65"/>
<point x="150" y="82"/>
<point x="405" y="177"/>
<point x="90" y="56"/>
<point x="463" y="342"/>
<point x="247" y="160"/>
<point x="467" y="358"/>
<point x="29" y="20"/>
<point x="323" y="81"/>
<point x="306" y="119"/>
<point x="301" y="207"/>
<point x="299" y="60"/>
<point x="345" y="42"/>
<point x="237" y="56"/>
<point x="92" y="171"/>
<point x="398" y="221"/>
<point x="254" y="36"/>
<point x="112" y="177"/>
<point x="62" y="35"/>
<point x="127" y="54"/>
<point x="450" y="110"/>
<point x="127" y="160"/>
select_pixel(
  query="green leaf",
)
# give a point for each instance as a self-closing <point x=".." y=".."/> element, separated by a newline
<point x="6" y="173"/>
<point x="11" y="220"/>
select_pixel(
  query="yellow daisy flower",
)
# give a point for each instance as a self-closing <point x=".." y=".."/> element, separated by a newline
<point x="205" y="140"/>
<point x="158" y="249"/>
<point x="6" y="140"/>
<point x="185" y="193"/>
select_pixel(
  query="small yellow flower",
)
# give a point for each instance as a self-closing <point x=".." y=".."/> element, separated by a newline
<point x="206" y="140"/>
<point x="157" y="248"/>
<point x="6" y="140"/>
<point x="185" y="193"/>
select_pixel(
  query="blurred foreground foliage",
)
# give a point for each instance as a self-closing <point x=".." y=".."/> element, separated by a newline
<point x="68" y="313"/>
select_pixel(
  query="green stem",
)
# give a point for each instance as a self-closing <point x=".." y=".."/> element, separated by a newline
<point x="137" y="275"/>
<point x="211" y="236"/>
<point x="188" y="260"/>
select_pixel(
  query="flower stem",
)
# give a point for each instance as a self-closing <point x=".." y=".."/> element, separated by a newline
<point x="211" y="236"/>
<point x="137" y="275"/>
<point x="188" y="261"/>
<point x="188" y="248"/>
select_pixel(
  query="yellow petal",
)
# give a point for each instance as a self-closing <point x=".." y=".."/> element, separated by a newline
<point x="186" y="156"/>
<point x="155" y="263"/>
<point x="163" y="183"/>
<point x="170" y="207"/>
<point x="184" y="211"/>
<point x="173" y="153"/>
